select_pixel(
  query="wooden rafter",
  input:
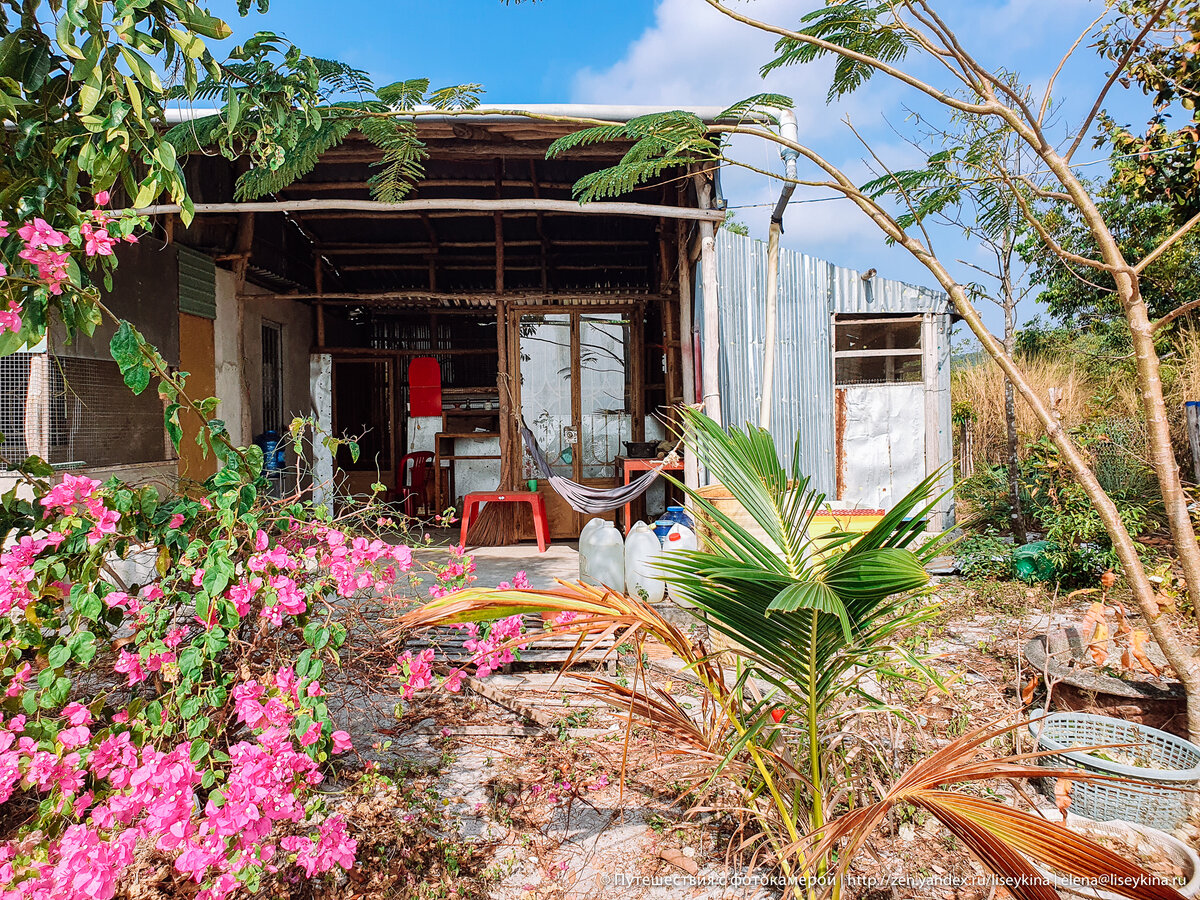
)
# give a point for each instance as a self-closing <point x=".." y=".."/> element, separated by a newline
<point x="458" y="206"/>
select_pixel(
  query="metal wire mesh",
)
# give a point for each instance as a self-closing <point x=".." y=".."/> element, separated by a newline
<point x="76" y="412"/>
<point x="14" y="385"/>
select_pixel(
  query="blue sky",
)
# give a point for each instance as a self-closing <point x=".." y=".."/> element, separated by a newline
<point x="680" y="52"/>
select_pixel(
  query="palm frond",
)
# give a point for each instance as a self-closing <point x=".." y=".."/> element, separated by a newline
<point x="759" y="104"/>
<point x="1003" y="837"/>
<point x="301" y="158"/>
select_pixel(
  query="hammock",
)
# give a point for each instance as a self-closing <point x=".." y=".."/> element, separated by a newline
<point x="582" y="497"/>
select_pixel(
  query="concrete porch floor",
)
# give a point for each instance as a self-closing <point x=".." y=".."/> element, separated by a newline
<point x="496" y="564"/>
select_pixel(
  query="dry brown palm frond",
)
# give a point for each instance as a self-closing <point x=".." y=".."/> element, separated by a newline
<point x="1007" y="840"/>
<point x="600" y="613"/>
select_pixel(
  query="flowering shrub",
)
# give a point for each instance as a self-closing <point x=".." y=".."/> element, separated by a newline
<point x="180" y="708"/>
<point x="39" y="261"/>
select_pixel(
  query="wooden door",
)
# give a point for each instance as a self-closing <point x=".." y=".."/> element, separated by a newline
<point x="196" y="357"/>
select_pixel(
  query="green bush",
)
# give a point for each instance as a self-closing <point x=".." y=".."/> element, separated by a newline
<point x="1056" y="507"/>
<point x="985" y="556"/>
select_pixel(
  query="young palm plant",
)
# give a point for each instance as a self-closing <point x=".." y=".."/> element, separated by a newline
<point x="810" y="620"/>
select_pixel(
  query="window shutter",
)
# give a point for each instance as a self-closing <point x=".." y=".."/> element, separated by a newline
<point x="197" y="284"/>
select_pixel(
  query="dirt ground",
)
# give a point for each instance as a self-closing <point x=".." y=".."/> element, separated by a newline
<point x="530" y="804"/>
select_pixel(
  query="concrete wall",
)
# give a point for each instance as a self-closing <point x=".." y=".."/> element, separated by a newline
<point x="241" y="402"/>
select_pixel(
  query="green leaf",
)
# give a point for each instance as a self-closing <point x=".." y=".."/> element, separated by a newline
<point x="126" y="349"/>
<point x="59" y="655"/>
<point x="83" y="647"/>
<point x="141" y="69"/>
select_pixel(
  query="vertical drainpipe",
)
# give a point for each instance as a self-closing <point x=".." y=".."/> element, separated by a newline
<point x="787" y="129"/>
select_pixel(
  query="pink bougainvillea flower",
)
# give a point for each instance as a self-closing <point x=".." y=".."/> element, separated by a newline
<point x="176" y="520"/>
<point x="10" y="318"/>
<point x="96" y="240"/>
<point x="311" y="734"/>
<point x="101" y="198"/>
<point x="77" y="714"/>
<point x="341" y="742"/>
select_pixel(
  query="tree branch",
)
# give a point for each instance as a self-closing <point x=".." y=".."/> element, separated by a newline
<point x="1053" y="78"/>
<point x="1176" y="313"/>
<point x="829" y="46"/>
<point x="1112" y="79"/>
<point x="1165" y="245"/>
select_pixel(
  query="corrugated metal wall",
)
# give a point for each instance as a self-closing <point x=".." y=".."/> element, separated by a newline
<point x="811" y="291"/>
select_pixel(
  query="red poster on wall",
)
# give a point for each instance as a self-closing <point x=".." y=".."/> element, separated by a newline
<point x="424" y="387"/>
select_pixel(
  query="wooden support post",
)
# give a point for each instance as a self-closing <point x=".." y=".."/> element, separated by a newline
<point x="503" y="388"/>
<point x="498" y="219"/>
<point x="541" y="227"/>
<point x="637" y="339"/>
<point x="37" y="406"/>
<point x="244" y="247"/>
<point x="687" y="362"/>
<point x="434" y="247"/>
<point x="1192" y="408"/>
<point x="709" y="370"/>
<point x="499" y="254"/>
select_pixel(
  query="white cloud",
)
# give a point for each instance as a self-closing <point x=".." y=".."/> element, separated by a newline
<point x="694" y="55"/>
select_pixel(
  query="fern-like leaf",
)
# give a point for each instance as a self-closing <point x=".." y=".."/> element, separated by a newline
<point x="300" y="159"/>
<point x="404" y="94"/>
<point x="190" y="137"/>
<point x="403" y="161"/>
<point x="758" y="104"/>
<point x="858" y="25"/>
<point x="456" y="97"/>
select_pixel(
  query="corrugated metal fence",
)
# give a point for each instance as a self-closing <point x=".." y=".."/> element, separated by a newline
<point x="811" y="291"/>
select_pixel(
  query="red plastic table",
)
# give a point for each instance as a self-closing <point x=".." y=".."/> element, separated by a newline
<point x="629" y="466"/>
<point x="541" y="525"/>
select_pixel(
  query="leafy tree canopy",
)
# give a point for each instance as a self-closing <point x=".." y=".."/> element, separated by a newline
<point x="1080" y="299"/>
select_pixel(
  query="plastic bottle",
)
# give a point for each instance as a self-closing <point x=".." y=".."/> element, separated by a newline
<point x="680" y="537"/>
<point x="642" y="550"/>
<point x="680" y="515"/>
<point x="585" y="545"/>
<point x="605" y="552"/>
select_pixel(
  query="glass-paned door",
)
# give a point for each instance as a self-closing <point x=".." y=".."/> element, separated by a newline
<point x="604" y="392"/>
<point x="576" y="389"/>
<point x="546" y="347"/>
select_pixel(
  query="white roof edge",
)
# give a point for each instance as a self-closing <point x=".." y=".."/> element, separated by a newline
<point x="497" y="112"/>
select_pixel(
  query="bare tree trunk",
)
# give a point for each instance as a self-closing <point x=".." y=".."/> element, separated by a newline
<point x="1162" y="453"/>
<point x="1017" y="522"/>
<point x="1179" y="655"/>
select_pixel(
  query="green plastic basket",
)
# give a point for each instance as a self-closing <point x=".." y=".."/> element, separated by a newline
<point x="1163" y="791"/>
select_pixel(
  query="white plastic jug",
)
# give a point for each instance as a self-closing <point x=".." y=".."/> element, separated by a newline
<point x="604" y="550"/>
<point x="679" y="538"/>
<point x="642" y="550"/>
<point x="585" y="544"/>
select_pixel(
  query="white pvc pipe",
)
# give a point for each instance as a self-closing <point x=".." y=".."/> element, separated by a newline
<point x="788" y="130"/>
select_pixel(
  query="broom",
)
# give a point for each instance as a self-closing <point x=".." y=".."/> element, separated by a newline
<point x="497" y="525"/>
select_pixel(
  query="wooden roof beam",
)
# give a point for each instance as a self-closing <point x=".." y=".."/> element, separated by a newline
<point x="459" y="206"/>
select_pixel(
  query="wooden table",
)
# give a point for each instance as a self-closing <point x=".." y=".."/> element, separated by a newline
<point x="628" y="466"/>
<point x="443" y="451"/>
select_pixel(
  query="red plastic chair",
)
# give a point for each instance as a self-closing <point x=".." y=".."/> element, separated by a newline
<point x="412" y="481"/>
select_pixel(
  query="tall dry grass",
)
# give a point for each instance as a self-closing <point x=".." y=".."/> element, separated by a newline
<point x="978" y="389"/>
<point x="1181" y="382"/>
